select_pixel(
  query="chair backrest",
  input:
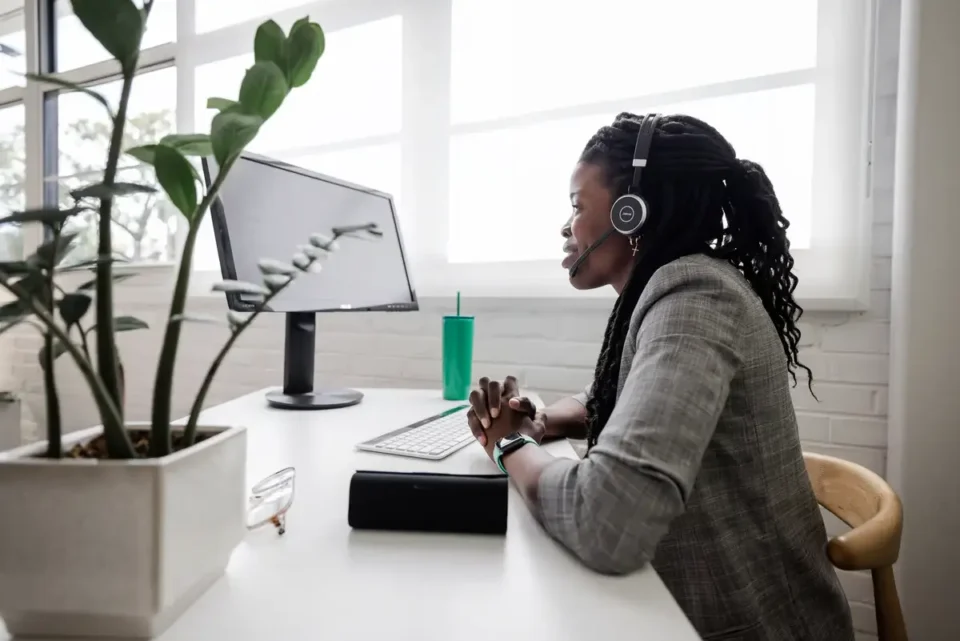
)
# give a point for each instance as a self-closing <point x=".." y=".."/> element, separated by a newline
<point x="866" y="503"/>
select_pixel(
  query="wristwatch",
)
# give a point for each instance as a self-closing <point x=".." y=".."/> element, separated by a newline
<point x="507" y="444"/>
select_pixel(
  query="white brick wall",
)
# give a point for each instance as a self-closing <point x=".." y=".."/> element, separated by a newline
<point x="556" y="356"/>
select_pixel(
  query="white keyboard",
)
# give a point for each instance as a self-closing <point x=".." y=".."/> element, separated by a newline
<point x="434" y="438"/>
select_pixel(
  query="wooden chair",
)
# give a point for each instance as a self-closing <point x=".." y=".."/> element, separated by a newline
<point x="866" y="503"/>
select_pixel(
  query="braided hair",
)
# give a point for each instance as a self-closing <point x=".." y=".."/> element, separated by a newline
<point x="702" y="200"/>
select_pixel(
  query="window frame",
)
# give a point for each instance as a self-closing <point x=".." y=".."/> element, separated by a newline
<point x="425" y="135"/>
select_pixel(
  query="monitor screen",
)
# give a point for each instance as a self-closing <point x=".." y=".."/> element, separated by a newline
<point x="266" y="209"/>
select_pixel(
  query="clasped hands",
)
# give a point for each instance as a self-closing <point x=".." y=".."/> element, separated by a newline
<point x="497" y="410"/>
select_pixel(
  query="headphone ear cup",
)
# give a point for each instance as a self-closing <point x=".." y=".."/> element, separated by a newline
<point x="628" y="214"/>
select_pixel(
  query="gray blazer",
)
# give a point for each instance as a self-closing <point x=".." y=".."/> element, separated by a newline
<point x="699" y="469"/>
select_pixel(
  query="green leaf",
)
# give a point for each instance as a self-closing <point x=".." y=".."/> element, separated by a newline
<point x="116" y="24"/>
<point x="302" y="262"/>
<point x="117" y="277"/>
<point x="45" y="215"/>
<point x="263" y="89"/>
<point x="101" y="190"/>
<point x="123" y="324"/>
<point x="189" y="144"/>
<point x="147" y="154"/>
<point x="235" y="320"/>
<point x="11" y="311"/>
<point x="143" y="153"/>
<point x="64" y="84"/>
<point x="231" y="132"/>
<point x="305" y="45"/>
<point x="365" y="229"/>
<point x="275" y="282"/>
<point x="324" y="242"/>
<point x="272" y="266"/>
<point x="14" y="268"/>
<point x="73" y="307"/>
<point x="196" y="318"/>
<point x="240" y="287"/>
<point x="128" y="324"/>
<point x="52" y="250"/>
<point x="59" y="349"/>
<point x="32" y="286"/>
<point x="177" y="179"/>
<point x="93" y="262"/>
<point x="299" y="22"/>
<point x="221" y="104"/>
<point x="269" y="44"/>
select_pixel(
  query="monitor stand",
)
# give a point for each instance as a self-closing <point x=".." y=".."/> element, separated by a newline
<point x="298" y="357"/>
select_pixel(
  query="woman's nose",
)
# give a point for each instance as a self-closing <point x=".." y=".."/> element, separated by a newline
<point x="565" y="231"/>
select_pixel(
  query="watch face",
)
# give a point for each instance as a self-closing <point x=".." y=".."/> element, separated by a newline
<point x="509" y="441"/>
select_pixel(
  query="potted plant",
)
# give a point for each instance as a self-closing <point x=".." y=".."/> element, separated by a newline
<point x="114" y="531"/>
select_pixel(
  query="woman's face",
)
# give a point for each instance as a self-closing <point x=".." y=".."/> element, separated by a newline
<point x="610" y="263"/>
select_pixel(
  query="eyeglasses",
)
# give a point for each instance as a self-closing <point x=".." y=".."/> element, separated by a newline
<point x="270" y="500"/>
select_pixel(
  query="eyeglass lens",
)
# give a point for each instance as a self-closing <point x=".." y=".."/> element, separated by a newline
<point x="270" y="500"/>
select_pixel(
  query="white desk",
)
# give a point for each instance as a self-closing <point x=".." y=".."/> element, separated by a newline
<point x="321" y="580"/>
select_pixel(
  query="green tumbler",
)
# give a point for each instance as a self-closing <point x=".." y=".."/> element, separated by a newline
<point x="457" y="357"/>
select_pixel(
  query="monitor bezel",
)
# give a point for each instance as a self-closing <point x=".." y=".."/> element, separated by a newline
<point x="228" y="268"/>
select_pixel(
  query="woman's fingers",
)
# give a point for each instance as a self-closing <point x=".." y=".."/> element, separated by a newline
<point x="522" y="404"/>
<point x="493" y="398"/>
<point x="487" y="400"/>
<point x="510" y="387"/>
<point x="478" y="403"/>
<point x="475" y="427"/>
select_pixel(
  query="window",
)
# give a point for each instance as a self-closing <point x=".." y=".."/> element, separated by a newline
<point x="552" y="55"/>
<point x="521" y="112"/>
<point x="13" y="45"/>
<point x="346" y="122"/>
<point x="527" y="167"/>
<point x="77" y="48"/>
<point x="12" y="173"/>
<point x="354" y="93"/>
<point x="472" y="113"/>
<point x="145" y="225"/>
<point x="210" y="14"/>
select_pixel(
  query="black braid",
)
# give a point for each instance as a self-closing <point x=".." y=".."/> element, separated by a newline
<point x="702" y="199"/>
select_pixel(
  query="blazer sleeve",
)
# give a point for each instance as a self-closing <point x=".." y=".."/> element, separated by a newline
<point x="584" y="396"/>
<point x="612" y="508"/>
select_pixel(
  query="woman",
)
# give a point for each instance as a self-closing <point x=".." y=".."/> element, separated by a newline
<point x="694" y="462"/>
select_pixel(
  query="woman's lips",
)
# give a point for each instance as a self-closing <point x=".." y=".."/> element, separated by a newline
<point x="569" y="260"/>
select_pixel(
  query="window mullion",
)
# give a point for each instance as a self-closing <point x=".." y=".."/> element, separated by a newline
<point x="186" y="93"/>
<point x="35" y="21"/>
<point x="425" y="128"/>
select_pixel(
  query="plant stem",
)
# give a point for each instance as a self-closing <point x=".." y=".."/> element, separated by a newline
<point x="160" y="443"/>
<point x="106" y="340"/>
<point x="108" y="410"/>
<point x="51" y="398"/>
<point x="190" y="433"/>
<point x="84" y="343"/>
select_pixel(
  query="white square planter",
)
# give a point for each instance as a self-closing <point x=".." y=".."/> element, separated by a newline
<point x="116" y="548"/>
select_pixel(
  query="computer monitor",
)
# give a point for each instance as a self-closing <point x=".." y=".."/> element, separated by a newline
<point x="266" y="209"/>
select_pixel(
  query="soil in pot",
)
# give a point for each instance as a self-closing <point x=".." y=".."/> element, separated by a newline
<point x="97" y="448"/>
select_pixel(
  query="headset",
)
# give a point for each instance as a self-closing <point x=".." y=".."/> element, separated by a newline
<point x="629" y="212"/>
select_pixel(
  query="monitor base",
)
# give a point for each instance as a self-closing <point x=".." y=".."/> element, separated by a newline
<point x="322" y="399"/>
